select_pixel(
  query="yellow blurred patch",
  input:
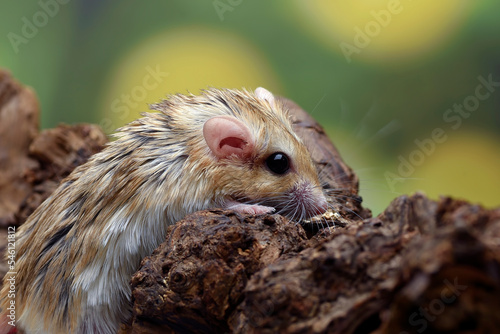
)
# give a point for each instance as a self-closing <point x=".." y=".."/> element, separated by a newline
<point x="384" y="30"/>
<point x="466" y="166"/>
<point x="181" y="61"/>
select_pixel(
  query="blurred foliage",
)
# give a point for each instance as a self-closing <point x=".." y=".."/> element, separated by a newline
<point x="407" y="63"/>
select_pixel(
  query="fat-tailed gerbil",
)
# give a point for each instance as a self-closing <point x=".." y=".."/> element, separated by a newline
<point x="225" y="148"/>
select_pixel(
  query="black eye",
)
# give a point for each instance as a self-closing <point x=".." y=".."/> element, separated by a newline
<point x="278" y="163"/>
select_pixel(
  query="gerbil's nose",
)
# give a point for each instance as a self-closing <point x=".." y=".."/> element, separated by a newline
<point x="317" y="207"/>
<point x="320" y="206"/>
<point x="310" y="199"/>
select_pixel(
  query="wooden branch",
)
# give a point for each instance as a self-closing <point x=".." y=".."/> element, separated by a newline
<point x="219" y="272"/>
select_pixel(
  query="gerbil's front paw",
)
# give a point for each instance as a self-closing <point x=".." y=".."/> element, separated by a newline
<point x="250" y="209"/>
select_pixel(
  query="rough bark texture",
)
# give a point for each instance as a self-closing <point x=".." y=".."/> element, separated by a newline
<point x="422" y="266"/>
<point x="195" y="282"/>
<point x="381" y="275"/>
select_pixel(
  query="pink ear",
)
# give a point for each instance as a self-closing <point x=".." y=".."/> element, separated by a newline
<point x="264" y="94"/>
<point x="226" y="136"/>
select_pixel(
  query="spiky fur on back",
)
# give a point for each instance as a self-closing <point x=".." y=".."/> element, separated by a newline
<point x="78" y="250"/>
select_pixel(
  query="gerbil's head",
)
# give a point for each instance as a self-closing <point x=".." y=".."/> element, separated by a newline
<point x="255" y="157"/>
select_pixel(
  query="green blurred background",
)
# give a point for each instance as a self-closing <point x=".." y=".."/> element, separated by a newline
<point x="385" y="78"/>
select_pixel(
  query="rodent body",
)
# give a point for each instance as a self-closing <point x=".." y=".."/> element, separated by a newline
<point x="225" y="148"/>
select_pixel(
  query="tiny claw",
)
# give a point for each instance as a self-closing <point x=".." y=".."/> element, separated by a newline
<point x="249" y="208"/>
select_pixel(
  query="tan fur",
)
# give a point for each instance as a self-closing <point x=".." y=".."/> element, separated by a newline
<point x="77" y="251"/>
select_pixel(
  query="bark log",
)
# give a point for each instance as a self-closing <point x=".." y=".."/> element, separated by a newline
<point x="422" y="266"/>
